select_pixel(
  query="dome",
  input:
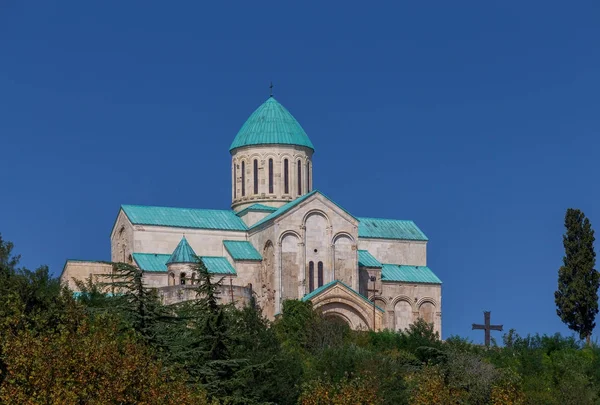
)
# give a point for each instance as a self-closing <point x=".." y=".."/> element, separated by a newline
<point x="271" y="124"/>
<point x="183" y="253"/>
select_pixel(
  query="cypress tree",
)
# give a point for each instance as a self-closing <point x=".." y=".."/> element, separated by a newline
<point x="577" y="294"/>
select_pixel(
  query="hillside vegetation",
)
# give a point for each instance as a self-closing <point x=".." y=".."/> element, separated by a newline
<point x="127" y="348"/>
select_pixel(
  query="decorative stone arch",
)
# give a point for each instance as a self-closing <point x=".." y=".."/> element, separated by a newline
<point x="427" y="299"/>
<point x="339" y="316"/>
<point x="427" y="308"/>
<point x="271" y="155"/>
<point x="342" y="234"/>
<point x="285" y="233"/>
<point x="345" y="258"/>
<point x="405" y="298"/>
<point x="338" y="304"/>
<point x="171" y="278"/>
<point x="291" y="268"/>
<point x="404" y="310"/>
<point x="256" y="155"/>
<point x="266" y="280"/>
<point x="316" y="211"/>
<point x="379" y="298"/>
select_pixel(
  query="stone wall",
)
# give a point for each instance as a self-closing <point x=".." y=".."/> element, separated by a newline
<point x="82" y="270"/>
<point x="262" y="153"/>
<point x="396" y="251"/>
<point x="162" y="239"/>
<point x="252" y="217"/>
<point x="178" y="293"/>
<point x="404" y="303"/>
<point x="121" y="240"/>
<point x="314" y="224"/>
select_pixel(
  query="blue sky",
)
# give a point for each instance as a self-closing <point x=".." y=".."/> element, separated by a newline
<point x="478" y="121"/>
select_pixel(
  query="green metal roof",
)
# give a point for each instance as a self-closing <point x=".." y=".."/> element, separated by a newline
<point x="218" y="265"/>
<point x="380" y="228"/>
<point x="184" y="217"/>
<point x="410" y="274"/>
<point x="242" y="250"/>
<point x="156" y="262"/>
<point x="366" y="259"/>
<point x="183" y="253"/>
<point x="271" y="123"/>
<point x="151" y="261"/>
<point x="319" y="290"/>
<point x="256" y="207"/>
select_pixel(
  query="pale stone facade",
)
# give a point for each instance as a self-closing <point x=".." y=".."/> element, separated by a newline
<point x="296" y="244"/>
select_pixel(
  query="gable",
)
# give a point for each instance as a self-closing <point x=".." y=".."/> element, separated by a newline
<point x="300" y="201"/>
<point x="341" y="287"/>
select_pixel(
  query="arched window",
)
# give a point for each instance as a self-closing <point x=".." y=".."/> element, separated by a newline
<point x="243" y="179"/>
<point x="271" y="176"/>
<point x="255" y="176"/>
<point x="311" y="276"/>
<point x="308" y="177"/>
<point x="171" y="279"/>
<point x="299" y="177"/>
<point x="234" y="181"/>
<point x="182" y="279"/>
<point x="193" y="278"/>
<point x="320" y="273"/>
<point x="286" y="177"/>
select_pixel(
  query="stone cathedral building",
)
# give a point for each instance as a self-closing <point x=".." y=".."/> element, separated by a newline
<point x="280" y="240"/>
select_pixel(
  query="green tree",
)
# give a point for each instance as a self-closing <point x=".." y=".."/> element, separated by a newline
<point x="577" y="294"/>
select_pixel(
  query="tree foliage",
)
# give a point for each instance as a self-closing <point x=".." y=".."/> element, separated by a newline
<point x="578" y="281"/>
<point x="116" y="343"/>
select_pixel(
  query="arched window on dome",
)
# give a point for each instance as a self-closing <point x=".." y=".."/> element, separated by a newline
<point x="311" y="276"/>
<point x="234" y="181"/>
<point x="182" y="279"/>
<point x="243" y="179"/>
<point x="255" y="176"/>
<point x="286" y="177"/>
<point x="320" y="274"/>
<point x="308" y="177"/>
<point x="299" y="177"/>
<point x="270" y="176"/>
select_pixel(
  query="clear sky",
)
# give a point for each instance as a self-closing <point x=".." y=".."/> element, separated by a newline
<point x="478" y="120"/>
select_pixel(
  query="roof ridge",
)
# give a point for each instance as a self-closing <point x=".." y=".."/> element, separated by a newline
<point x="177" y="208"/>
<point x="386" y="219"/>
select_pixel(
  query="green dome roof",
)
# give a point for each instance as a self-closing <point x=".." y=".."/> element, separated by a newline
<point x="271" y="123"/>
<point x="183" y="253"/>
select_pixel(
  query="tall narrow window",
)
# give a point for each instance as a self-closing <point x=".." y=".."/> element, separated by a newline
<point x="320" y="273"/>
<point x="286" y="177"/>
<point x="311" y="276"/>
<point x="308" y="177"/>
<point x="299" y="178"/>
<point x="271" y="176"/>
<point x="243" y="179"/>
<point x="182" y="278"/>
<point x="234" y="181"/>
<point x="255" y="176"/>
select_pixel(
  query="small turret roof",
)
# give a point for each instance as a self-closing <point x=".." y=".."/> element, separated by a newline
<point x="271" y="123"/>
<point x="183" y="253"/>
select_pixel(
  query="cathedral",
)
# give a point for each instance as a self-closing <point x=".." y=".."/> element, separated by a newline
<point x="280" y="240"/>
